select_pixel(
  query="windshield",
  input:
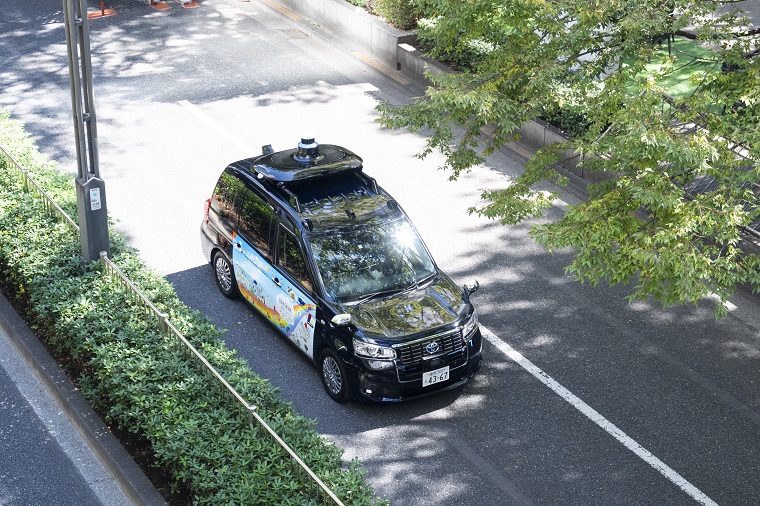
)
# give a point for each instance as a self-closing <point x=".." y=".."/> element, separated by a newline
<point x="371" y="258"/>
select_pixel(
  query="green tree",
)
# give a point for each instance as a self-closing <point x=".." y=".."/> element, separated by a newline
<point x="638" y="225"/>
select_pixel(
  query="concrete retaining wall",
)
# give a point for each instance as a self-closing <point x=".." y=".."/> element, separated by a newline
<point x="351" y="23"/>
<point x="537" y="134"/>
<point x="413" y="64"/>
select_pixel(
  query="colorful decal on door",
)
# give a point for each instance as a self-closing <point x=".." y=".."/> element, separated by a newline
<point x="285" y="308"/>
<point x="285" y="305"/>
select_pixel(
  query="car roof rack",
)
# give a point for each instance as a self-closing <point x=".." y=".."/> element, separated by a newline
<point x="308" y="161"/>
<point x="308" y="177"/>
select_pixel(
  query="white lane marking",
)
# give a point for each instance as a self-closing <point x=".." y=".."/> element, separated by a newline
<point x="598" y="419"/>
<point x="223" y="132"/>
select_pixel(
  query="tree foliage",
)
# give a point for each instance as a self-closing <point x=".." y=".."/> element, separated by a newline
<point x="638" y="225"/>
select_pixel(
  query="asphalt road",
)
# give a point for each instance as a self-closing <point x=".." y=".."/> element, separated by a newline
<point x="23" y="442"/>
<point x="582" y="399"/>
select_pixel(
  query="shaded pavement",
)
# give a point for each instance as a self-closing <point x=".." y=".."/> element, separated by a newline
<point x="55" y="448"/>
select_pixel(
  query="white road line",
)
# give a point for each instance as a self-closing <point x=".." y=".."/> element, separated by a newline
<point x="598" y="419"/>
<point x="226" y="134"/>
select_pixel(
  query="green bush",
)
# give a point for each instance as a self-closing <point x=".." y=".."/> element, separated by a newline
<point x="464" y="57"/>
<point x="572" y="121"/>
<point x="569" y="111"/>
<point x="138" y="378"/>
<point x="402" y="14"/>
<point x="359" y="3"/>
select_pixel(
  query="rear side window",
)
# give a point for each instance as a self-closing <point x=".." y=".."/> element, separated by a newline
<point x="255" y="219"/>
<point x="223" y="200"/>
<point x="291" y="259"/>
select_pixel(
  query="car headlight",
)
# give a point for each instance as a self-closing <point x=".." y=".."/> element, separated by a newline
<point x="470" y="325"/>
<point x="369" y="350"/>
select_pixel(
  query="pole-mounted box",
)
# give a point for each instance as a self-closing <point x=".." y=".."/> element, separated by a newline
<point x="93" y="218"/>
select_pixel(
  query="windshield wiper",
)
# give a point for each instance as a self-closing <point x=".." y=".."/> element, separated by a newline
<point x="427" y="280"/>
<point x="387" y="292"/>
<point x="418" y="284"/>
<point x="374" y="295"/>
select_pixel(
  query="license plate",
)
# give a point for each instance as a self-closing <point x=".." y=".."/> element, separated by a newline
<point x="433" y="377"/>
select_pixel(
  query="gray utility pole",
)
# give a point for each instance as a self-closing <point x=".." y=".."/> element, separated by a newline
<point x="91" y="190"/>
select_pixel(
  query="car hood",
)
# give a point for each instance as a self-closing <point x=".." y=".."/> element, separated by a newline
<point x="395" y="317"/>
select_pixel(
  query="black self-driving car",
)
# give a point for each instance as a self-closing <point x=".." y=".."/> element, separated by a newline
<point x="334" y="263"/>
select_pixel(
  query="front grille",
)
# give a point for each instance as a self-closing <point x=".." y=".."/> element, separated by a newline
<point x="413" y="353"/>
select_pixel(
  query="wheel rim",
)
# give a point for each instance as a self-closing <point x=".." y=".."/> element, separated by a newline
<point x="332" y="376"/>
<point x="223" y="274"/>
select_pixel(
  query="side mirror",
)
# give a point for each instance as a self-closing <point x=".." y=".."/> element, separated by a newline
<point x="470" y="289"/>
<point x="341" y="320"/>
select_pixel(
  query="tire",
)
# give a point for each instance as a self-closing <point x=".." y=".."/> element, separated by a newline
<point x="333" y="374"/>
<point x="225" y="276"/>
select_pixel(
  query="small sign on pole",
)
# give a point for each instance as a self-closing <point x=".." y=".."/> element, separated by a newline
<point x="94" y="199"/>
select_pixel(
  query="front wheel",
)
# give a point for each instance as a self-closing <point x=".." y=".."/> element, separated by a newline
<point x="225" y="276"/>
<point x="333" y="375"/>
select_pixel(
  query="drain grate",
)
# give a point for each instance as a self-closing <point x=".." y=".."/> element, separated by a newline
<point x="294" y="33"/>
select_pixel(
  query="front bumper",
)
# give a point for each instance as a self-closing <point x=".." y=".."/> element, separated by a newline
<point x="386" y="385"/>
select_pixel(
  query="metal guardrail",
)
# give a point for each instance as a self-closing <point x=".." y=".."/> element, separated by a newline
<point x="315" y="488"/>
<point x="30" y="185"/>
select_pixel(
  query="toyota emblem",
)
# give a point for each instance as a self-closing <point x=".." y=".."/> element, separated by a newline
<point x="432" y="348"/>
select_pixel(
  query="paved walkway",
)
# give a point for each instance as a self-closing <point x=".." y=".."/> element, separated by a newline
<point x="750" y="7"/>
<point x="55" y="448"/>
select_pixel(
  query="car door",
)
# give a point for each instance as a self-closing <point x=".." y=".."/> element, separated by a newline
<point x="252" y="252"/>
<point x="295" y="304"/>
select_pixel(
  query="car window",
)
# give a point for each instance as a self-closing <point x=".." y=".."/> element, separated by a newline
<point x="290" y="257"/>
<point x="367" y="258"/>
<point x="223" y="200"/>
<point x="255" y="219"/>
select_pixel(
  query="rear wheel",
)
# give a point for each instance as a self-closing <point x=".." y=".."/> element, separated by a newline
<point x="225" y="276"/>
<point x="333" y="375"/>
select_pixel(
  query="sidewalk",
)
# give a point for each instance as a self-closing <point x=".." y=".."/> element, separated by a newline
<point x="750" y="7"/>
<point x="56" y="449"/>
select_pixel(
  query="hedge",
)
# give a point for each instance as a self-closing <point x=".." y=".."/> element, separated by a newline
<point x="135" y="376"/>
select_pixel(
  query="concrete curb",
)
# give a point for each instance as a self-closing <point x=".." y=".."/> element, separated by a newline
<point x="112" y="455"/>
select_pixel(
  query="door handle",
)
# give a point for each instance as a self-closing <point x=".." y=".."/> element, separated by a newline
<point x="276" y="281"/>
<point x="238" y="245"/>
